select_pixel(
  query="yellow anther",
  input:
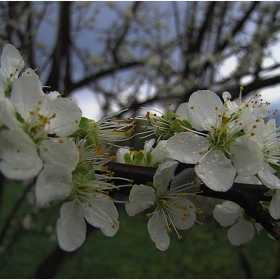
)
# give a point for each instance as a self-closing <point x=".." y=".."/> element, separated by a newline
<point x="148" y="215"/>
<point x="179" y="237"/>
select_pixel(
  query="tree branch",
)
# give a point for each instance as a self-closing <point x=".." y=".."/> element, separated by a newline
<point x="245" y="195"/>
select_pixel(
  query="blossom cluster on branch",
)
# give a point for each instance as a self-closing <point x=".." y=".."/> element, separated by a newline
<point x="44" y="138"/>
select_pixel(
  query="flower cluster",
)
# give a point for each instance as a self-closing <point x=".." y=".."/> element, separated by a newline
<point x="44" y="136"/>
<point x="226" y="142"/>
<point x="45" y="139"/>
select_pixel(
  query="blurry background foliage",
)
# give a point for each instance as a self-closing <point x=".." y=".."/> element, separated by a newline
<point x="113" y="55"/>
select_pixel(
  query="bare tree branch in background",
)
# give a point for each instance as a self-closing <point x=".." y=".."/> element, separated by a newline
<point x="174" y="50"/>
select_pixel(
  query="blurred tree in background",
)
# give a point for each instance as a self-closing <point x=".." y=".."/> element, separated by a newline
<point x="130" y="54"/>
<point x="114" y="49"/>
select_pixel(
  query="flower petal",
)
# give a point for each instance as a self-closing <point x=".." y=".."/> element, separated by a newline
<point x="141" y="197"/>
<point x="182" y="111"/>
<point x="216" y="171"/>
<point x="67" y="116"/>
<point x="11" y="61"/>
<point x="160" y="152"/>
<point x="7" y="114"/>
<point x="19" y="156"/>
<point x="27" y="94"/>
<point x="241" y="232"/>
<point x="59" y="150"/>
<point x="203" y="109"/>
<point x="269" y="179"/>
<point x="164" y="174"/>
<point x="71" y="226"/>
<point x="185" y="147"/>
<point x="227" y="213"/>
<point x="101" y="212"/>
<point x="120" y="154"/>
<point x="247" y="156"/>
<point x="53" y="183"/>
<point x="184" y="216"/>
<point x="274" y="207"/>
<point x="158" y="232"/>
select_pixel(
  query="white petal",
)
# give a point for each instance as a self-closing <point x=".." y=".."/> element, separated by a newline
<point x="11" y="61"/>
<point x="274" y="207"/>
<point x="19" y="156"/>
<point x="186" y="176"/>
<point x="101" y="212"/>
<point x="269" y="179"/>
<point x="164" y="174"/>
<point x="248" y="157"/>
<point x="182" y="111"/>
<point x="27" y="94"/>
<point x="158" y="232"/>
<point x="160" y="152"/>
<point x="67" y="116"/>
<point x="203" y="109"/>
<point x="53" y="183"/>
<point x="183" y="218"/>
<point x="11" y="65"/>
<point x="148" y="145"/>
<point x="247" y="180"/>
<point x="120" y="154"/>
<point x="241" y="232"/>
<point x="185" y="147"/>
<point x="226" y="96"/>
<point x="141" y="197"/>
<point x="216" y="171"/>
<point x="59" y="150"/>
<point x="227" y="213"/>
<point x="7" y="114"/>
<point x="71" y="226"/>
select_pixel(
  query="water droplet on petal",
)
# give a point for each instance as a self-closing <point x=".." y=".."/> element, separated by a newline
<point x="221" y="161"/>
<point x="240" y="170"/>
<point x="213" y="160"/>
<point x="201" y="176"/>
<point x="210" y="171"/>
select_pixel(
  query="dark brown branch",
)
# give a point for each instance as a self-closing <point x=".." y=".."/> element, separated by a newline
<point x="245" y="195"/>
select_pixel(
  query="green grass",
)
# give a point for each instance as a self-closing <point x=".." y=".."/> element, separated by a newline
<point x="204" y="251"/>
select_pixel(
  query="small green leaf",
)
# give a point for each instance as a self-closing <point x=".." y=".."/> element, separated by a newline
<point x="265" y="204"/>
<point x="127" y="158"/>
<point x="3" y="127"/>
<point x="148" y="158"/>
<point x="138" y="158"/>
<point x="270" y="192"/>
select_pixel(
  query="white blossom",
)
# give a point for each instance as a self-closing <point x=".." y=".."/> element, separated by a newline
<point x="230" y="214"/>
<point x="171" y="207"/>
<point x="30" y="117"/>
<point x="11" y="65"/>
<point x="223" y="150"/>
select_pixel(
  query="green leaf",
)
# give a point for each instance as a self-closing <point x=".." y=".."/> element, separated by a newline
<point x="85" y="123"/>
<point x="19" y="117"/>
<point x="265" y="204"/>
<point x="186" y="123"/>
<point x="138" y="158"/>
<point x="127" y="158"/>
<point x="270" y="192"/>
<point x="3" y="127"/>
<point x="148" y="158"/>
